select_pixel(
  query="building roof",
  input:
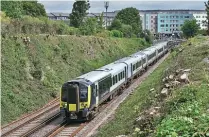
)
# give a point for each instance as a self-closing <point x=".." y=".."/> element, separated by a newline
<point x="56" y="14"/>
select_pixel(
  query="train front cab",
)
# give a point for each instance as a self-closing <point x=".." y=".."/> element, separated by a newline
<point x="75" y="99"/>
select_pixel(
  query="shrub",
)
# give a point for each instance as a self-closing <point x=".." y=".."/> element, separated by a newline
<point x="126" y="30"/>
<point x="32" y="25"/>
<point x="104" y="34"/>
<point x="116" y="33"/>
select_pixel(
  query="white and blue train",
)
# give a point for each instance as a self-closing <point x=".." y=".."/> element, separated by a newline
<point x="80" y="98"/>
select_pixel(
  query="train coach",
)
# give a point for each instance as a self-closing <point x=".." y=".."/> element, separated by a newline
<point x="80" y="98"/>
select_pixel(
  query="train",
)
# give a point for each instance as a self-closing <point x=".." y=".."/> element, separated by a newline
<point x="80" y="98"/>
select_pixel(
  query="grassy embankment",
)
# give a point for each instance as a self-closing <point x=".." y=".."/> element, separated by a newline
<point x="33" y="73"/>
<point x="184" y="112"/>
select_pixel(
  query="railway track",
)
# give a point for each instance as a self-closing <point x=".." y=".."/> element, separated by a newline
<point x="31" y="123"/>
<point x="66" y="130"/>
<point x="34" y="121"/>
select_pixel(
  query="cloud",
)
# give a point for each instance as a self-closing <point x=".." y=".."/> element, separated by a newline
<point x="98" y="6"/>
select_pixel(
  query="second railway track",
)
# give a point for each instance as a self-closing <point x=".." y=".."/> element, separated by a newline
<point x="27" y="124"/>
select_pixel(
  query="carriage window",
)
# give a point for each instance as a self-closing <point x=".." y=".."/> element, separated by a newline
<point x="83" y="93"/>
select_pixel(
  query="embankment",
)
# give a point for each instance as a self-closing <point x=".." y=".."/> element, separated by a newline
<point x="172" y="101"/>
<point x="34" y="69"/>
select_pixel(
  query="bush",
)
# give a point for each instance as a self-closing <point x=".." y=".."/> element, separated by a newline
<point x="116" y="33"/>
<point x="126" y="30"/>
<point x="104" y="34"/>
<point x="89" y="26"/>
<point x="32" y="25"/>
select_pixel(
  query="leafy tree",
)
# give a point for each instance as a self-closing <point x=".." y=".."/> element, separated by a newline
<point x="100" y="22"/>
<point x="17" y="9"/>
<point x="130" y="16"/>
<point x="79" y="12"/>
<point x="33" y="8"/>
<point x="147" y="35"/>
<point x="116" y="24"/>
<point x="207" y="10"/>
<point x="190" y="28"/>
<point x="89" y="26"/>
<point x="12" y="9"/>
<point x="126" y="30"/>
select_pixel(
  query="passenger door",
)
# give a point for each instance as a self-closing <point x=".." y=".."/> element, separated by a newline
<point x="97" y="93"/>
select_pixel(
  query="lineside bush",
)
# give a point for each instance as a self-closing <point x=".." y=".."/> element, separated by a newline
<point x="32" y="25"/>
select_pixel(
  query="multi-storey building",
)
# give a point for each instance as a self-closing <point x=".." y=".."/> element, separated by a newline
<point x="169" y="23"/>
<point x="157" y="21"/>
<point x="201" y="19"/>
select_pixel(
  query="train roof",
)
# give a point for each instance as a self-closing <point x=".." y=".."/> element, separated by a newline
<point x="139" y="54"/>
<point x="160" y="45"/>
<point x="129" y="60"/>
<point x="95" y="75"/>
<point x="113" y="67"/>
<point x="149" y="50"/>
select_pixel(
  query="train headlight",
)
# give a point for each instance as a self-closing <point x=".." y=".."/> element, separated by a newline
<point x="64" y="104"/>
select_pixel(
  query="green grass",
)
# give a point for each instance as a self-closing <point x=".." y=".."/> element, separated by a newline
<point x="183" y="113"/>
<point x="32" y="74"/>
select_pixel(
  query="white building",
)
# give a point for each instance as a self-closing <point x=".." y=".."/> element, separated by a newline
<point x="201" y="18"/>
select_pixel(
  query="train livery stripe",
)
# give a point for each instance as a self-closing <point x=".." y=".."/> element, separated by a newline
<point x="89" y="96"/>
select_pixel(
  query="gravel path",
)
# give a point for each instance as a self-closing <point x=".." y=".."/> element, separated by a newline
<point x="107" y="114"/>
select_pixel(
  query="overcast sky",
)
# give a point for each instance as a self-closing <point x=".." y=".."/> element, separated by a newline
<point x="98" y="6"/>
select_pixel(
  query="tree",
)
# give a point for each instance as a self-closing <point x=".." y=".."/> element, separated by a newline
<point x="190" y="28"/>
<point x="33" y="8"/>
<point x="147" y="35"/>
<point x="12" y="9"/>
<point x="101" y="21"/>
<point x="130" y="16"/>
<point x="126" y="30"/>
<point x="116" y="25"/>
<point x="78" y="13"/>
<point x="17" y="9"/>
<point x="207" y="10"/>
<point x="89" y="26"/>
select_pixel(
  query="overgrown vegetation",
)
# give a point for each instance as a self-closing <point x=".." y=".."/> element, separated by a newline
<point x="18" y="9"/>
<point x="190" y="28"/>
<point x="207" y="10"/>
<point x="33" y="70"/>
<point x="184" y="112"/>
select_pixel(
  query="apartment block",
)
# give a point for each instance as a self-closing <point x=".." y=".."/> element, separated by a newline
<point x="169" y="23"/>
<point x="157" y="21"/>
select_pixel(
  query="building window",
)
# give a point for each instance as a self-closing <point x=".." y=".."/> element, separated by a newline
<point x="162" y="25"/>
<point x="166" y="25"/>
